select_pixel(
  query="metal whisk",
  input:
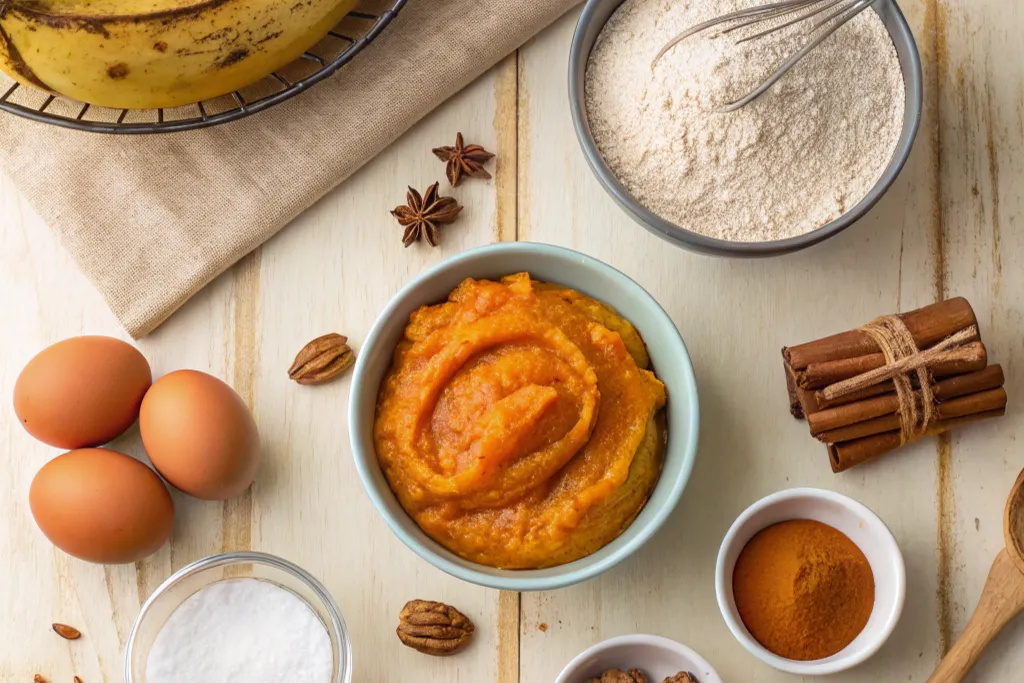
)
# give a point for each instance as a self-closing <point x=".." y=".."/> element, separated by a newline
<point x="837" y="13"/>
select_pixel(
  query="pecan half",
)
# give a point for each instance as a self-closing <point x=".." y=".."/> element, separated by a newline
<point x="434" y="628"/>
<point x="619" y="676"/>
<point x="67" y="632"/>
<point x="322" y="359"/>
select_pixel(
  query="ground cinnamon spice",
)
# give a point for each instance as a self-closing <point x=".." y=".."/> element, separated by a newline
<point x="803" y="589"/>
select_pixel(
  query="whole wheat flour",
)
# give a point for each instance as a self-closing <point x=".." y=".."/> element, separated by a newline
<point x="789" y="162"/>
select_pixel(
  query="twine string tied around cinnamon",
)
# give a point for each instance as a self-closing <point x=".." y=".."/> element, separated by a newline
<point x="903" y="359"/>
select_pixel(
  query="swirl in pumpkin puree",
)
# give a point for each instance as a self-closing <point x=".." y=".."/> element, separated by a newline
<point x="519" y="424"/>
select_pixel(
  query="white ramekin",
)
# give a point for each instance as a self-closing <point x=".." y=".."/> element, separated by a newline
<point x="657" y="657"/>
<point x="863" y="527"/>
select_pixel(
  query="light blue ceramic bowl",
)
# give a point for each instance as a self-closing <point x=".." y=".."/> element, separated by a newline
<point x="582" y="273"/>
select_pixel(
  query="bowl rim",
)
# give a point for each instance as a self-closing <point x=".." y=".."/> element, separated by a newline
<point x="688" y="239"/>
<point x="249" y="557"/>
<point x="519" y="580"/>
<point x="633" y="639"/>
<point x="879" y="530"/>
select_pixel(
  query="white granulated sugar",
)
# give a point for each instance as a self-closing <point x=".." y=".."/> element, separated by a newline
<point x="241" y="630"/>
<point x="796" y="158"/>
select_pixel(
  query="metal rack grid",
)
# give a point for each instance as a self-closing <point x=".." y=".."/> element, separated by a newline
<point x="337" y="49"/>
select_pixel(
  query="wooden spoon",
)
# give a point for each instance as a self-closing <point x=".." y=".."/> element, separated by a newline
<point x="1001" y="600"/>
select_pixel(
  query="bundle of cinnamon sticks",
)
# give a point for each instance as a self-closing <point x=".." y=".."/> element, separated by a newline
<point x="865" y="424"/>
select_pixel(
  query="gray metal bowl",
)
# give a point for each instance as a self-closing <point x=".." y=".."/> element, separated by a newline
<point x="592" y="20"/>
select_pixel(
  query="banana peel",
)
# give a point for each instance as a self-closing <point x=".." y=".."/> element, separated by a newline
<point x="147" y="54"/>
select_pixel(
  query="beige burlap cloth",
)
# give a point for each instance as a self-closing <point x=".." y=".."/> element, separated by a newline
<point x="151" y="220"/>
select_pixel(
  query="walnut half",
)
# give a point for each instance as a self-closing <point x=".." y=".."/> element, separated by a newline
<point x="637" y="676"/>
<point x="434" y="628"/>
<point x="619" y="676"/>
<point x="681" y="677"/>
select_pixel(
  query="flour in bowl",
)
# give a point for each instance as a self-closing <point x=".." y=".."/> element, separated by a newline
<point x="244" y="630"/>
<point x="796" y="158"/>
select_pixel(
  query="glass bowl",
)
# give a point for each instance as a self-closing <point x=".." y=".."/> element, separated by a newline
<point x="188" y="580"/>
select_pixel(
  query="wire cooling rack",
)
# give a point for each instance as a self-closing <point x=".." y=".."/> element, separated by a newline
<point x="360" y="27"/>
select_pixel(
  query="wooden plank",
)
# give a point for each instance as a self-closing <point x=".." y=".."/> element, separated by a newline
<point x="44" y="299"/>
<point x="734" y="315"/>
<point x="334" y="269"/>
<point x="506" y="210"/>
<point x="981" y="97"/>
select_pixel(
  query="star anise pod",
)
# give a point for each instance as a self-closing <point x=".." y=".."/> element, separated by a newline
<point x="464" y="159"/>
<point x="422" y="215"/>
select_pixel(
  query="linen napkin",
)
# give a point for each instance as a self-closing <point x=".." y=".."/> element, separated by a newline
<point x="176" y="210"/>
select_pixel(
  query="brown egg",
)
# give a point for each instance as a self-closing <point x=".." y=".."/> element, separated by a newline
<point x="101" y="506"/>
<point x="200" y="435"/>
<point x="83" y="391"/>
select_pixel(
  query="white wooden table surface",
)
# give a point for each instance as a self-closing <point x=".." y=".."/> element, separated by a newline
<point x="952" y="224"/>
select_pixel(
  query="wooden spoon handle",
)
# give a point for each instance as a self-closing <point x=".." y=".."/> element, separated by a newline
<point x="1001" y="600"/>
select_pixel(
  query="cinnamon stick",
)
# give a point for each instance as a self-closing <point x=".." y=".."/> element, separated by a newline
<point x="967" y="358"/>
<point x="849" y="454"/>
<point x="885" y="387"/>
<point x="888" y="404"/>
<point x="980" y="402"/>
<point x="927" y="325"/>
<point x="795" y="408"/>
<point x="859" y="395"/>
<point x="802" y="402"/>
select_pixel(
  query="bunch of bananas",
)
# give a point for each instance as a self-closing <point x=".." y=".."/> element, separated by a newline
<point x="142" y="54"/>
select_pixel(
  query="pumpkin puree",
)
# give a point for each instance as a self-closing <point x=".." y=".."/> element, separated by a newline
<point x="519" y="424"/>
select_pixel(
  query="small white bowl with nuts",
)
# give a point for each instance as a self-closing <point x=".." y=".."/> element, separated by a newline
<point x="638" y="658"/>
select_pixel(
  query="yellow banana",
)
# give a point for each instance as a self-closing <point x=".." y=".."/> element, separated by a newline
<point x="143" y="54"/>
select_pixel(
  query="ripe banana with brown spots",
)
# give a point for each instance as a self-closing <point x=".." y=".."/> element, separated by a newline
<point x="143" y="54"/>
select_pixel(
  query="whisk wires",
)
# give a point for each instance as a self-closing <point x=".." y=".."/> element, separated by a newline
<point x="836" y="14"/>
